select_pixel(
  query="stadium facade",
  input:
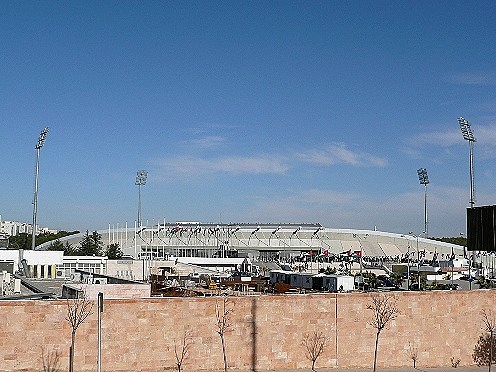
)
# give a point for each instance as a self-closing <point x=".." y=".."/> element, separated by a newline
<point x="262" y="241"/>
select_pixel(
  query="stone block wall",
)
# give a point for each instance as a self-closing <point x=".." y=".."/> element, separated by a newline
<point x="266" y="332"/>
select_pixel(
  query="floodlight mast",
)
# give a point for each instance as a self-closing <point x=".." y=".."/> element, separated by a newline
<point x="468" y="135"/>
<point x="39" y="145"/>
<point x="424" y="180"/>
<point x="140" y="181"/>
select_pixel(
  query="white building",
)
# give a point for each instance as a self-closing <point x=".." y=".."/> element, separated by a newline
<point x="13" y="228"/>
<point x="40" y="264"/>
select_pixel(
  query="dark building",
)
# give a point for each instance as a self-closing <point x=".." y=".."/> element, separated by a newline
<point x="481" y="228"/>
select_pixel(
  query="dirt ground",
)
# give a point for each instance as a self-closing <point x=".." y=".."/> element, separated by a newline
<point x="411" y="369"/>
<point x="398" y="369"/>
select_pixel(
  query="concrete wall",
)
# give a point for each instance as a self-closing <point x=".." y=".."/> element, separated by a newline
<point x="127" y="269"/>
<point x="266" y="334"/>
<point x="113" y="291"/>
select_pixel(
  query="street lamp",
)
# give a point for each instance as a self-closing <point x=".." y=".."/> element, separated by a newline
<point x="469" y="136"/>
<point x="140" y="181"/>
<point x="38" y="147"/>
<point x="408" y="264"/>
<point x="469" y="266"/>
<point x="418" y="255"/>
<point x="424" y="180"/>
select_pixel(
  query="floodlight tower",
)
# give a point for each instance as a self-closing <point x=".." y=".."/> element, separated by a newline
<point x="38" y="147"/>
<point x="424" y="180"/>
<point x="140" y="181"/>
<point x="469" y="136"/>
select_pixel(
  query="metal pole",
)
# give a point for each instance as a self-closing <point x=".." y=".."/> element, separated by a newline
<point x="139" y="205"/>
<point x="140" y="181"/>
<point x="135" y="241"/>
<point x="425" y="212"/>
<point x="469" y="273"/>
<point x="100" y="310"/>
<point x="39" y="145"/>
<point x="472" y="182"/>
<point x="361" y="254"/>
<point x="452" y="270"/>
<point x="35" y="198"/>
<point x="408" y="269"/>
<point x="418" y="264"/>
<point x="361" y="250"/>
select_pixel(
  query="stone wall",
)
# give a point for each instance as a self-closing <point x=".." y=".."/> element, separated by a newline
<point x="266" y="333"/>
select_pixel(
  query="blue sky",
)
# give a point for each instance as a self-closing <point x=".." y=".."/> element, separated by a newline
<point x="247" y="111"/>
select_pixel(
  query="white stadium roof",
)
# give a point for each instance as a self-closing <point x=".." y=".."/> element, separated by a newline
<point x="205" y="240"/>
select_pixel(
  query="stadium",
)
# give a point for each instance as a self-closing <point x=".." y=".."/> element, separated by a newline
<point x="264" y="241"/>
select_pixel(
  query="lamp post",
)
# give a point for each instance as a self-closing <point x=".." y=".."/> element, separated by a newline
<point x="39" y="145"/>
<point x="100" y="310"/>
<point x="140" y="181"/>
<point x="469" y="270"/>
<point x="469" y="136"/>
<point x="408" y="263"/>
<point x="424" y="180"/>
<point x="418" y="264"/>
<point x="418" y="255"/>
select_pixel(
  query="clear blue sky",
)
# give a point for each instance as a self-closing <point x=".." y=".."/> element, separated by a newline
<point x="247" y="111"/>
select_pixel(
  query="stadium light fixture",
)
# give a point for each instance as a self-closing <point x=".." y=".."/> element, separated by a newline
<point x="320" y="228"/>
<point x="39" y="145"/>
<point x="469" y="136"/>
<point x="424" y="180"/>
<point x="141" y="176"/>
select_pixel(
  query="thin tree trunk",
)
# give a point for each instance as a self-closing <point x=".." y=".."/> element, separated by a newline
<point x="375" y="351"/>
<point x="490" y="350"/>
<point x="71" y="352"/>
<point x="70" y="358"/>
<point x="224" y="353"/>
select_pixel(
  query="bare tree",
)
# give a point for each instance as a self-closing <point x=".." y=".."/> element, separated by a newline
<point x="50" y="359"/>
<point x="490" y="327"/>
<point x="413" y="354"/>
<point x="385" y="310"/>
<point x="181" y="351"/>
<point x="223" y="313"/>
<point x="78" y="309"/>
<point x="482" y="350"/>
<point x="314" y="344"/>
<point x="455" y="362"/>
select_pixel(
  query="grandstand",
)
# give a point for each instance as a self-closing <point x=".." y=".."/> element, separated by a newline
<point x="262" y="241"/>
